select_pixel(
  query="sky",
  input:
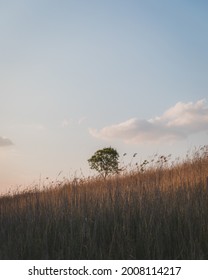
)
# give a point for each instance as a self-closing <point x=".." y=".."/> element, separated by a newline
<point x="78" y="76"/>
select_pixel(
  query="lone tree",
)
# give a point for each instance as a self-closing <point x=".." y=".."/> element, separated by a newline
<point x="105" y="161"/>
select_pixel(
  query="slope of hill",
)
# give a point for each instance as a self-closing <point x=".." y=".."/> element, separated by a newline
<point x="159" y="210"/>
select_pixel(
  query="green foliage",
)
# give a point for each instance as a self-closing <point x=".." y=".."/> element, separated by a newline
<point x="105" y="161"/>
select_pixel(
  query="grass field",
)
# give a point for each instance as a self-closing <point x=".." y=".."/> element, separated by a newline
<point x="157" y="210"/>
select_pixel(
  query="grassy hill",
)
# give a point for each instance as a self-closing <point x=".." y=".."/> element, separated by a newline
<point x="159" y="210"/>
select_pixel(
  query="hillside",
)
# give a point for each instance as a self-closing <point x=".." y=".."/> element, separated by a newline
<point x="157" y="210"/>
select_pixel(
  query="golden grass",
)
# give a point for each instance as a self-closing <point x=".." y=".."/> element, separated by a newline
<point x="158" y="210"/>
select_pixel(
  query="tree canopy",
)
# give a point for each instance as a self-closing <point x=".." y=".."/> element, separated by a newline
<point x="105" y="161"/>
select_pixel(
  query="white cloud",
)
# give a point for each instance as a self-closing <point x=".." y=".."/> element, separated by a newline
<point x="68" y="122"/>
<point x="81" y="120"/>
<point x="5" y="142"/>
<point x="65" y="123"/>
<point x="178" y="122"/>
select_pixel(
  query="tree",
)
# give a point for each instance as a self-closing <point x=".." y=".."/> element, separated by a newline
<point x="105" y="161"/>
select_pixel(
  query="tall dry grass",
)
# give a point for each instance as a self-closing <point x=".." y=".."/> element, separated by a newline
<point x="158" y="210"/>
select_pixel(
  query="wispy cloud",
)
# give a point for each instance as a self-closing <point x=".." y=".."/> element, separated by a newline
<point x="178" y="122"/>
<point x="65" y="123"/>
<point x="81" y="120"/>
<point x="68" y="122"/>
<point x="5" y="142"/>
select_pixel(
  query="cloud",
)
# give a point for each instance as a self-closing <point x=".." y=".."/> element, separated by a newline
<point x="81" y="120"/>
<point x="65" y="123"/>
<point x="70" y="122"/>
<point x="5" y="142"/>
<point x="178" y="122"/>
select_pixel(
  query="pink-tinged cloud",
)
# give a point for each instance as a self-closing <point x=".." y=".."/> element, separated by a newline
<point x="5" y="142"/>
<point x="178" y="122"/>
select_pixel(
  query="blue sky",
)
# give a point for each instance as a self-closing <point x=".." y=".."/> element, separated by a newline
<point x="76" y="76"/>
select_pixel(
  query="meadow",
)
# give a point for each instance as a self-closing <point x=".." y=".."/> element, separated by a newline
<point x="158" y="209"/>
